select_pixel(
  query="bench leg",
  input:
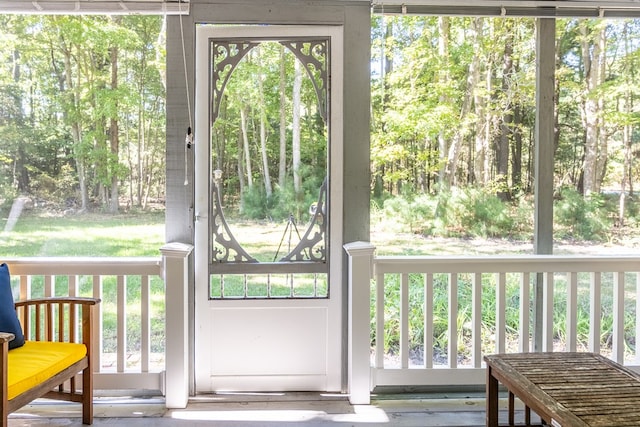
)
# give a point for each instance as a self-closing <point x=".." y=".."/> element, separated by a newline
<point x="492" y="399"/>
<point x="87" y="396"/>
<point x="511" y="409"/>
<point x="4" y="413"/>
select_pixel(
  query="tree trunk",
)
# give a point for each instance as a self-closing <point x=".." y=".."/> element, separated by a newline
<point x="240" y="170"/>
<point x="473" y="76"/>
<point x="76" y="133"/>
<point x="114" y="137"/>
<point x="245" y="140"/>
<point x="141" y="143"/>
<point x="282" y="169"/>
<point x="516" y="158"/>
<point x="479" y="105"/>
<point x="506" y="123"/>
<point x="295" y="149"/>
<point x="263" y="140"/>
<point x="443" y="77"/>
<point x="627" y="130"/>
<point x="20" y="162"/>
<point x="593" y="60"/>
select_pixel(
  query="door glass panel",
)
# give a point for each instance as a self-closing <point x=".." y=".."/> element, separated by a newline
<point x="269" y="145"/>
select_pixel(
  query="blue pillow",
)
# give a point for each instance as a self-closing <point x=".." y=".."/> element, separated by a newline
<point x="8" y="317"/>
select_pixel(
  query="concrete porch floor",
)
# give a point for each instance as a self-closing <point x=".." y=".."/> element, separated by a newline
<point x="269" y="409"/>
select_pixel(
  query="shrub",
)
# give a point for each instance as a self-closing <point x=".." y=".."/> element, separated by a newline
<point x="282" y="202"/>
<point x="581" y="217"/>
<point x="482" y="214"/>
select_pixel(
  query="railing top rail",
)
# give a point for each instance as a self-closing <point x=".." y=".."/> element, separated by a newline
<point x="505" y="264"/>
<point x="84" y="265"/>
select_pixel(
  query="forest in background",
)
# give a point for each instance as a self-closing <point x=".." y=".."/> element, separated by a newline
<point x="82" y="120"/>
<point x="454" y="103"/>
<point x="82" y="111"/>
<point x="453" y="123"/>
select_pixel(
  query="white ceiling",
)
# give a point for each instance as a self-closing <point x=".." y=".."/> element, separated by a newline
<point x="115" y="7"/>
<point x="513" y="8"/>
<point x="538" y="8"/>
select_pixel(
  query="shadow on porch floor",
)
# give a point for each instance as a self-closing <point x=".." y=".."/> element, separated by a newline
<point x="269" y="410"/>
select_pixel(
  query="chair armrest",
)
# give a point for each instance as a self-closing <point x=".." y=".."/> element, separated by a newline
<point x="6" y="337"/>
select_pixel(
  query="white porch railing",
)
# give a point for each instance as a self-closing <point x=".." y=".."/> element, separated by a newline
<point x="132" y="319"/>
<point x="423" y="321"/>
<point x="432" y="319"/>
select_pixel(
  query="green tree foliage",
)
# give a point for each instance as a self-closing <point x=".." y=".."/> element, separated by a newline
<point x="83" y="108"/>
<point x="454" y="107"/>
<point x="246" y="137"/>
<point x="413" y="105"/>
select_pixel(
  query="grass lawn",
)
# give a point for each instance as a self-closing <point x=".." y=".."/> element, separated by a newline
<point x="142" y="234"/>
<point x="122" y="235"/>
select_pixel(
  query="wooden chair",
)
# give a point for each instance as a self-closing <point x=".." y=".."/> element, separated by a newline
<point x="50" y="325"/>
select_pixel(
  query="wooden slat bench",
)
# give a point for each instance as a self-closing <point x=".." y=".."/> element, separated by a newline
<point x="565" y="389"/>
<point x="55" y="352"/>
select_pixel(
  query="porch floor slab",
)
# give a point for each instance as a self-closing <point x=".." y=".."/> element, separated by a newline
<point x="270" y="409"/>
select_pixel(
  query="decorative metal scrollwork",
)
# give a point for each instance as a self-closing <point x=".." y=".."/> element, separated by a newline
<point x="225" y="56"/>
<point x="312" y="246"/>
<point x="313" y="56"/>
<point x="225" y="247"/>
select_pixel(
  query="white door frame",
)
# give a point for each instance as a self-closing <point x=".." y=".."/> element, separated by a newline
<point x="332" y="379"/>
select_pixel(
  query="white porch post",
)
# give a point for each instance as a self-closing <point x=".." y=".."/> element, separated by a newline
<point x="176" y="278"/>
<point x="359" y="343"/>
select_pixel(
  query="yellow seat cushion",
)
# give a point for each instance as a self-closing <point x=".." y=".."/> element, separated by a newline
<point x="38" y="361"/>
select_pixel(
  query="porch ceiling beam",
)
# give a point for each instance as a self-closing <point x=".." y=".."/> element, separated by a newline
<point x="511" y="8"/>
<point x="95" y="7"/>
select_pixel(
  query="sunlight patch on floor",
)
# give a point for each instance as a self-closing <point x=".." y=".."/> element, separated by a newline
<point x="361" y="414"/>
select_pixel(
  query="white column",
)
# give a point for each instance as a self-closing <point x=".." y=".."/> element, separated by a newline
<point x="175" y="258"/>
<point x="359" y="343"/>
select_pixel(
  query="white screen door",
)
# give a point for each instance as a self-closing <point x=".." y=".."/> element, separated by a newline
<point x="267" y="324"/>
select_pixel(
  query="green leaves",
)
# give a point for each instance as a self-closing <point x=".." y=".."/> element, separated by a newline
<point x="75" y="83"/>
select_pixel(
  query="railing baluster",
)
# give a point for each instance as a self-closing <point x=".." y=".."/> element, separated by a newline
<point x="637" y="316"/>
<point x="98" y="336"/>
<point x="25" y="287"/>
<point x="25" y="293"/>
<point x="618" y="317"/>
<point x="49" y="286"/>
<point x="453" y="320"/>
<point x="380" y="350"/>
<point x="145" y="327"/>
<point x="122" y="324"/>
<point x="547" y="312"/>
<point x="525" y="301"/>
<point x="501" y="279"/>
<point x="595" y="312"/>
<point x="572" y="311"/>
<point x="73" y="285"/>
<point x="476" y="322"/>
<point x="404" y="321"/>
<point x="428" y="320"/>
